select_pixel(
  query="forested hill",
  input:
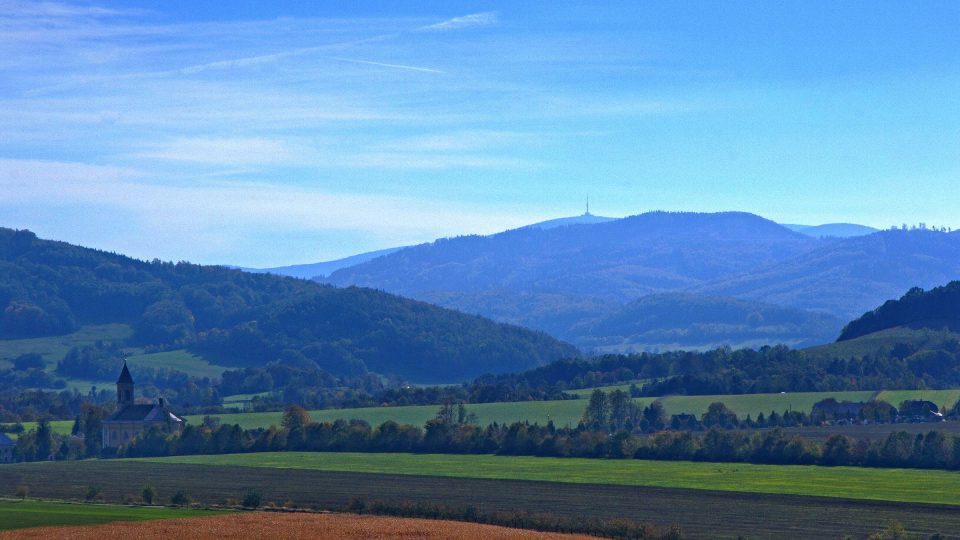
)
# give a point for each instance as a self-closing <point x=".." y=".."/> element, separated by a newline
<point x="936" y="308"/>
<point x="621" y="259"/>
<point x="567" y="280"/>
<point x="243" y="319"/>
<point x="848" y="277"/>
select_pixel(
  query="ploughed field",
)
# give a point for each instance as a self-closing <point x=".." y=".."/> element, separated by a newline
<point x="29" y="513"/>
<point x="707" y="500"/>
<point x="282" y="526"/>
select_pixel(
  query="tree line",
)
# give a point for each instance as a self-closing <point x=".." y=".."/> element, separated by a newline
<point x="454" y="431"/>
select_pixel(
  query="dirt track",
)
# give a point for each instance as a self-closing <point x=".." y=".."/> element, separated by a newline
<point x="283" y="526"/>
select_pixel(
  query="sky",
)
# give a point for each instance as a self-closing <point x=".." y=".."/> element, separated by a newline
<point x="272" y="133"/>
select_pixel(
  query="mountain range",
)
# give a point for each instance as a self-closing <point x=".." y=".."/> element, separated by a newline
<point x="647" y="282"/>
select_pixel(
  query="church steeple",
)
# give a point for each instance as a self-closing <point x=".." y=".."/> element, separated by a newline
<point x="125" y="387"/>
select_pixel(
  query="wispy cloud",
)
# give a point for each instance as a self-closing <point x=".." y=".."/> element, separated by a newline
<point x="176" y="216"/>
<point x="486" y="18"/>
<point x="222" y="151"/>
<point x="392" y="66"/>
<point x="19" y="8"/>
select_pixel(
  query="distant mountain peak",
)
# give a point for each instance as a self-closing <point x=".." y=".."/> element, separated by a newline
<point x="584" y="219"/>
<point x="836" y="230"/>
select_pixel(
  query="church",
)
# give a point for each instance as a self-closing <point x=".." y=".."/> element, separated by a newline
<point x="131" y="420"/>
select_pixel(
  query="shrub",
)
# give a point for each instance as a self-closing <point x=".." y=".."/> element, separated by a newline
<point x="253" y="499"/>
<point x="180" y="498"/>
<point x="93" y="493"/>
<point x="22" y="491"/>
<point x="357" y="505"/>
<point x="148" y="494"/>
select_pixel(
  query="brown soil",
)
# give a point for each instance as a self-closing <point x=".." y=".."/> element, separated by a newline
<point x="282" y="526"/>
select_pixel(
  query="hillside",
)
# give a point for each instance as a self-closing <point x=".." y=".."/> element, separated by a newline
<point x="241" y="319"/>
<point x="616" y="260"/>
<point x="936" y="308"/>
<point x="848" y="277"/>
<point x="679" y="320"/>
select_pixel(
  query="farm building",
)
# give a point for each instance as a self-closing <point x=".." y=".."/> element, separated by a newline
<point x="6" y="449"/>
<point x="918" y="410"/>
<point x="830" y="408"/>
<point x="132" y="419"/>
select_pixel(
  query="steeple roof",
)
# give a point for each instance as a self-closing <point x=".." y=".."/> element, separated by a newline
<point x="125" y="375"/>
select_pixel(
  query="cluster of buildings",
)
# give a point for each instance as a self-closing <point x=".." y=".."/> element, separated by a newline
<point x="128" y="421"/>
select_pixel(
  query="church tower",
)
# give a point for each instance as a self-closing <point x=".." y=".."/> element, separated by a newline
<point x="125" y="387"/>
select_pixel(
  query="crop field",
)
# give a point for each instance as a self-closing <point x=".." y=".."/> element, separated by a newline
<point x="904" y="485"/>
<point x="22" y="514"/>
<point x="702" y="513"/>
<point x="283" y="526"/>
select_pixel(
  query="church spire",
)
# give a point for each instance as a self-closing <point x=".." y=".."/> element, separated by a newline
<point x="125" y="386"/>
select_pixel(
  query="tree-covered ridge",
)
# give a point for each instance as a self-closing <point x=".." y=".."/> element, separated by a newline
<point x="683" y="320"/>
<point x="936" y="308"/>
<point x="243" y="319"/>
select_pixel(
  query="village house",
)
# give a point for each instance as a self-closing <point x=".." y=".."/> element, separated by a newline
<point x="131" y="419"/>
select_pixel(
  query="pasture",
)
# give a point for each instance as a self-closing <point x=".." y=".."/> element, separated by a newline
<point x="702" y="513"/>
<point x="15" y="514"/>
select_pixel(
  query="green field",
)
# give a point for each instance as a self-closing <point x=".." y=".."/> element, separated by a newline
<point x="921" y="338"/>
<point x="585" y="392"/>
<point x="942" y="398"/>
<point x="702" y="513"/>
<point x="904" y="485"/>
<point x="23" y="514"/>
<point x="179" y="360"/>
<point x="754" y="404"/>
<point x="561" y="412"/>
<point x="54" y="348"/>
<point x="567" y="412"/>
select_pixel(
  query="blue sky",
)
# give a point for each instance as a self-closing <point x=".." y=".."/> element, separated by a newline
<point x="269" y="133"/>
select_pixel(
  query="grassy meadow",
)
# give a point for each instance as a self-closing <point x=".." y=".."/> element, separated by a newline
<point x="903" y="485"/>
<point x="15" y="514"/>
<point x="54" y="348"/>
